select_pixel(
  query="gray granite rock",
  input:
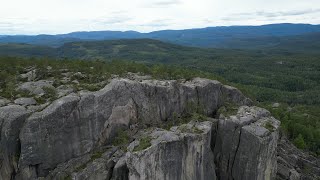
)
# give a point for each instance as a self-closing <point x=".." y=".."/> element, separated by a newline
<point x="245" y="146"/>
<point x="120" y="170"/>
<point x="30" y="76"/>
<point x="275" y="105"/>
<point x="25" y="101"/>
<point x="75" y="124"/>
<point x="3" y="101"/>
<point x="98" y="168"/>
<point x="294" y="164"/>
<point x="12" y="119"/>
<point x="64" y="90"/>
<point x="35" y="88"/>
<point x="176" y="155"/>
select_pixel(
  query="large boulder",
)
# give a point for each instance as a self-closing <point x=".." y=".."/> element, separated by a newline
<point x="25" y="101"/>
<point x="30" y="76"/>
<point x="3" y="101"/>
<point x="35" y="88"/>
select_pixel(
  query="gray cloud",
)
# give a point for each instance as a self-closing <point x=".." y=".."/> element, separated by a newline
<point x="164" y="3"/>
<point x="113" y="20"/>
<point x="279" y="13"/>
<point x="268" y="16"/>
<point x="157" y="23"/>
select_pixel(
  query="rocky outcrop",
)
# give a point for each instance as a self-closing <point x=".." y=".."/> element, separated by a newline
<point x="35" y="88"/>
<point x="70" y="138"/>
<point x="91" y="119"/>
<point x="294" y="164"/>
<point x="246" y="144"/>
<point x="182" y="153"/>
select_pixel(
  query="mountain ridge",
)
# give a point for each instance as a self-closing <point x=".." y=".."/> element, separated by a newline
<point x="198" y="37"/>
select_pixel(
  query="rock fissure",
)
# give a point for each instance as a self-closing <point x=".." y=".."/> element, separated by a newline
<point x="236" y="152"/>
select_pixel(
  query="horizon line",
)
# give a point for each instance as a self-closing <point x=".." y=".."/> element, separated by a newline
<point x="123" y="31"/>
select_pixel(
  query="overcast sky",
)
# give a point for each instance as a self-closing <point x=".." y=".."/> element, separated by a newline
<point x="62" y="16"/>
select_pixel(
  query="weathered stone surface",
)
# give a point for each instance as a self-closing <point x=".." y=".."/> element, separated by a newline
<point x="96" y="166"/>
<point x="53" y="136"/>
<point x="295" y="164"/>
<point x="11" y="120"/>
<point x="245" y="148"/>
<point x="120" y="170"/>
<point x="35" y="108"/>
<point x="25" y="101"/>
<point x="180" y="154"/>
<point x="35" y="88"/>
<point x="98" y="169"/>
<point x="3" y="101"/>
<point x="65" y="170"/>
<point x="64" y="90"/>
<point x="73" y="125"/>
<point x="120" y="118"/>
<point x="30" y="76"/>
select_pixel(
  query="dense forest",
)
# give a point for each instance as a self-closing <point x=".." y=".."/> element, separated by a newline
<point x="289" y="78"/>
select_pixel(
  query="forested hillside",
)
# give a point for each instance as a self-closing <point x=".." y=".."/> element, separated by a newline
<point x="288" y="78"/>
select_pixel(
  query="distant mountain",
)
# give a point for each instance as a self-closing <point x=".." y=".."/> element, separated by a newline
<point x="47" y="40"/>
<point x="219" y="37"/>
<point x="102" y="35"/>
<point x="150" y="50"/>
<point x="296" y="43"/>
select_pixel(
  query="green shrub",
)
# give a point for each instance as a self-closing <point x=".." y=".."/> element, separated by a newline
<point x="299" y="142"/>
<point x="228" y="109"/>
<point x="122" y="138"/>
<point x="197" y="130"/>
<point x="145" y="142"/>
<point x="269" y="126"/>
<point x="96" y="155"/>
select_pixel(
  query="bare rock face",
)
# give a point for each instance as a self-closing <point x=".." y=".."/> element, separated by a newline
<point x="61" y="141"/>
<point x="176" y="155"/>
<point x="75" y="124"/>
<point x="53" y="136"/>
<point x="294" y="164"/>
<point x="11" y="120"/>
<point x="245" y="146"/>
<point x="120" y="170"/>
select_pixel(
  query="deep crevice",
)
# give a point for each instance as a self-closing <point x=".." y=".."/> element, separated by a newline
<point x="236" y="152"/>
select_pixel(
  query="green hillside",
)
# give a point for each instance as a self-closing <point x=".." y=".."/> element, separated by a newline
<point x="287" y="74"/>
<point x="294" y="83"/>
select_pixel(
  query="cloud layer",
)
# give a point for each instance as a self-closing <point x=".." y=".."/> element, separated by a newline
<point x="61" y="16"/>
